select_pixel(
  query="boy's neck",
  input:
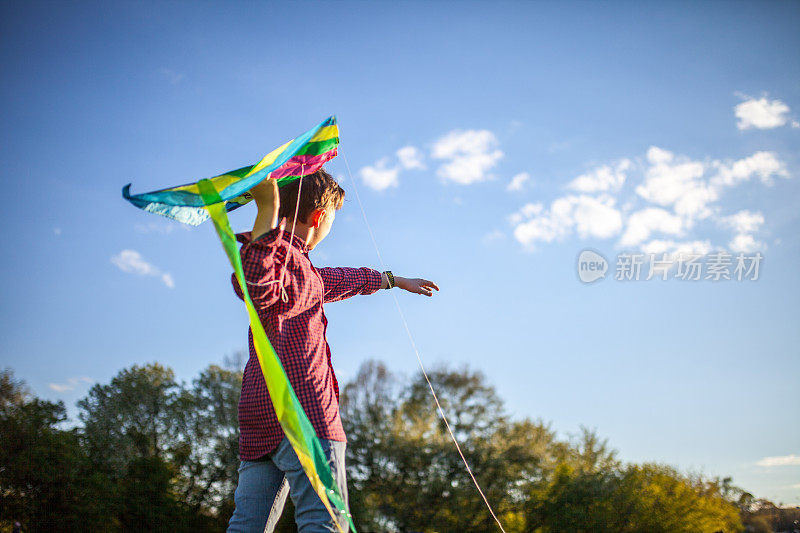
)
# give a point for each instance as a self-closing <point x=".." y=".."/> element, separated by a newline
<point x="301" y="230"/>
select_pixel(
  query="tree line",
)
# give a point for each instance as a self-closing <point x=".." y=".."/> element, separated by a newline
<point x="150" y="453"/>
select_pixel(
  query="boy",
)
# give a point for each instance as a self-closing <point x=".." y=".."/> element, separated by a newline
<point x="289" y="293"/>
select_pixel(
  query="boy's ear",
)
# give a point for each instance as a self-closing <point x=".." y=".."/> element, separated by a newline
<point x="316" y="217"/>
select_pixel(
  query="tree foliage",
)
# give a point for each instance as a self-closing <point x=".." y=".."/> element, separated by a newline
<point x="41" y="466"/>
<point x="406" y="474"/>
<point x="154" y="454"/>
<point x="151" y="454"/>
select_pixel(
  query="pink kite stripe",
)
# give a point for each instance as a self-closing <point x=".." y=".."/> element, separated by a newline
<point x="305" y="163"/>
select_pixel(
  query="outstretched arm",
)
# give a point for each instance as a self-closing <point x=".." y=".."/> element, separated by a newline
<point x="344" y="282"/>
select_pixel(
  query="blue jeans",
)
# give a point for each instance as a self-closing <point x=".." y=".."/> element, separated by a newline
<point x="263" y="486"/>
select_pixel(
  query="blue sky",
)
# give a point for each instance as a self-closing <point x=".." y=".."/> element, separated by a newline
<point x="491" y="144"/>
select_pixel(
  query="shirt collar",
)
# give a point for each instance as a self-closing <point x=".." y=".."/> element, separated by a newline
<point x="271" y="236"/>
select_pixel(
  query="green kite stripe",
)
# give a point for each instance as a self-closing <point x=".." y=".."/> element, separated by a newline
<point x="292" y="418"/>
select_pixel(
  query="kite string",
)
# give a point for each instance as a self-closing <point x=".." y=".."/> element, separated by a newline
<point x="414" y="346"/>
<point x="284" y="296"/>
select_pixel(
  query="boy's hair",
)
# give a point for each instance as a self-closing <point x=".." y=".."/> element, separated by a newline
<point x="319" y="191"/>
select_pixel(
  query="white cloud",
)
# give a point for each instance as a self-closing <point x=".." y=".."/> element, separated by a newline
<point x="585" y="215"/>
<point x="745" y="243"/>
<point x="493" y="236"/>
<point x="543" y="228"/>
<point x="677" y="193"/>
<point x="132" y="262"/>
<point x="659" y="156"/>
<point x="167" y="279"/>
<point x="780" y="460"/>
<point x="528" y="210"/>
<point x="761" y="114"/>
<point x="765" y="165"/>
<point x="641" y="224"/>
<point x="518" y="181"/>
<point x="410" y="158"/>
<point x="676" y="182"/>
<point x="603" y="178"/>
<point x="744" y="223"/>
<point x="70" y="384"/>
<point x="469" y="155"/>
<point x="681" y="183"/>
<point x="596" y="217"/>
<point x="674" y="248"/>
<point x="380" y="176"/>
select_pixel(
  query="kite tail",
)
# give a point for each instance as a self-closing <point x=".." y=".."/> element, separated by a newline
<point x="290" y="413"/>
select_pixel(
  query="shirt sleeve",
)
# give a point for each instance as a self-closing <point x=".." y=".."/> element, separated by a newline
<point x="344" y="282"/>
<point x="262" y="271"/>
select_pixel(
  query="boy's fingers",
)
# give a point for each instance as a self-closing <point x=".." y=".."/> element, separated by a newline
<point x="421" y="286"/>
<point x="427" y="283"/>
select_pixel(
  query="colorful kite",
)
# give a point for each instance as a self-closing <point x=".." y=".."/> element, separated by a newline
<point x="299" y="157"/>
<point x="214" y="197"/>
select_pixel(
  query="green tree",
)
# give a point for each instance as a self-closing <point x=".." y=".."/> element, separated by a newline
<point x="634" y="499"/>
<point x="367" y="405"/>
<point x="405" y="473"/>
<point x="12" y="391"/>
<point x="133" y="416"/>
<point x="141" y="431"/>
<point x="207" y="454"/>
<point x="44" y="480"/>
<point x="155" y="454"/>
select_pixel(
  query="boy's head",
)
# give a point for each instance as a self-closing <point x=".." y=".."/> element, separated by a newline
<point x="320" y="198"/>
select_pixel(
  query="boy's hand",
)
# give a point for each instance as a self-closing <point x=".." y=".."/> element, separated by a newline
<point x="265" y="192"/>
<point x="416" y="285"/>
<point x="268" y="202"/>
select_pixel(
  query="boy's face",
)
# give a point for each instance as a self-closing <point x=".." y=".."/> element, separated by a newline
<point x="326" y="218"/>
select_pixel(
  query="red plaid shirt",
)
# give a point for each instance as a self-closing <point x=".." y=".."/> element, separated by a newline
<point x="296" y="330"/>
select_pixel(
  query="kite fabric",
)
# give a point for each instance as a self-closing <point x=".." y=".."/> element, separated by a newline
<point x="305" y="154"/>
<point x="213" y="198"/>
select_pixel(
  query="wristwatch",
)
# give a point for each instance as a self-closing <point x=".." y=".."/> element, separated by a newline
<point x="390" y="278"/>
